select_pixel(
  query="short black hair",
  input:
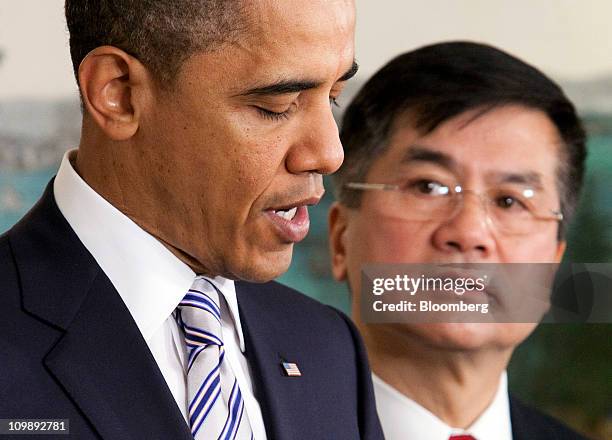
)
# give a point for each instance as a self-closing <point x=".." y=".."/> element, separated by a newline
<point x="162" y="34"/>
<point x="438" y="82"/>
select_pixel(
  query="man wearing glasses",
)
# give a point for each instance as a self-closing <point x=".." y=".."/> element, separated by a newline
<point x="454" y="153"/>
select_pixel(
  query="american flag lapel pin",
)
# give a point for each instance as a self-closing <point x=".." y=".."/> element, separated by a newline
<point x="291" y="369"/>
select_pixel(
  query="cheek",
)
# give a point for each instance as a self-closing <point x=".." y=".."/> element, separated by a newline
<point x="240" y="166"/>
<point x="254" y="157"/>
<point x="540" y="248"/>
<point x="374" y="239"/>
<point x="257" y="164"/>
<point x="393" y="241"/>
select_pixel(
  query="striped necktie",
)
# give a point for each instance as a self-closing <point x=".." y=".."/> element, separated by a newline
<point x="216" y="407"/>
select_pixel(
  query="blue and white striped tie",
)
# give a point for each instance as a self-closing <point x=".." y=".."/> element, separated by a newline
<point x="216" y="407"/>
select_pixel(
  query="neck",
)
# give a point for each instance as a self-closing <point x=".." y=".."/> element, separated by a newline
<point x="456" y="386"/>
<point x="99" y="167"/>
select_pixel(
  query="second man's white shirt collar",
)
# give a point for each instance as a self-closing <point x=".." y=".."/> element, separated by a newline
<point x="149" y="278"/>
<point x="403" y="418"/>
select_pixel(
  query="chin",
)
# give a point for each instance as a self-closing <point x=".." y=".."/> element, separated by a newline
<point x="263" y="267"/>
<point x="460" y="336"/>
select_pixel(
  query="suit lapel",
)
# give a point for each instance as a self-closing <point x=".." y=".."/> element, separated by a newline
<point x="284" y="400"/>
<point x="524" y="426"/>
<point x="263" y="360"/>
<point x="111" y="374"/>
<point x="101" y="360"/>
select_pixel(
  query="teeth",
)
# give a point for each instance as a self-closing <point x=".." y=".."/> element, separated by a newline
<point x="286" y="214"/>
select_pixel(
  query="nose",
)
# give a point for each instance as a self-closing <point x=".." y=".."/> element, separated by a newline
<point x="468" y="231"/>
<point x="318" y="148"/>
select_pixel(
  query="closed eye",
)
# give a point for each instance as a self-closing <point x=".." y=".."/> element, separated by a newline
<point x="273" y="116"/>
<point x="276" y="116"/>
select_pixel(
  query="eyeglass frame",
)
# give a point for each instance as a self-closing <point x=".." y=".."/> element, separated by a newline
<point x="363" y="186"/>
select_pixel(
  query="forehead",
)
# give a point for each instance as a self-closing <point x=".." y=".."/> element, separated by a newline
<point x="300" y="18"/>
<point x="284" y="40"/>
<point x="511" y="138"/>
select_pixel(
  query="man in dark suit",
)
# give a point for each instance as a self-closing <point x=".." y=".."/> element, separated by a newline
<point x="128" y="303"/>
<point x="454" y="153"/>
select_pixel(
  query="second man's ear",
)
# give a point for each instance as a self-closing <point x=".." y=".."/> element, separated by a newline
<point x="110" y="81"/>
<point x="337" y="221"/>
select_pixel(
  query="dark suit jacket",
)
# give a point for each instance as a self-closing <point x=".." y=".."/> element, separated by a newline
<point x="531" y="424"/>
<point x="69" y="349"/>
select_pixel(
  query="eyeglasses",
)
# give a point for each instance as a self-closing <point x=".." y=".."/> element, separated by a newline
<point x="511" y="210"/>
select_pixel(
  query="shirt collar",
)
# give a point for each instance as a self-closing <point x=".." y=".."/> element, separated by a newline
<point x="402" y="417"/>
<point x="150" y="279"/>
<point x="495" y="422"/>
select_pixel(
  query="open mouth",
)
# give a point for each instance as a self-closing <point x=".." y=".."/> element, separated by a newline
<point x="286" y="214"/>
<point x="291" y="221"/>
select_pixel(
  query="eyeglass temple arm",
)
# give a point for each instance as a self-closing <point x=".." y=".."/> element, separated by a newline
<point x="555" y="215"/>
<point x="367" y="186"/>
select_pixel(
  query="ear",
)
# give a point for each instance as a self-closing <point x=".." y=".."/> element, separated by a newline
<point x="338" y="221"/>
<point x="109" y="79"/>
<point x="561" y="246"/>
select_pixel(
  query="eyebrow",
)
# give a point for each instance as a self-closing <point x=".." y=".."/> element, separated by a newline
<point x="530" y="178"/>
<point x="417" y="153"/>
<point x="284" y="87"/>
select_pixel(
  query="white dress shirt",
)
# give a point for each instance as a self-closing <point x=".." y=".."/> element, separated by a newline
<point x="151" y="282"/>
<point x="402" y="418"/>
